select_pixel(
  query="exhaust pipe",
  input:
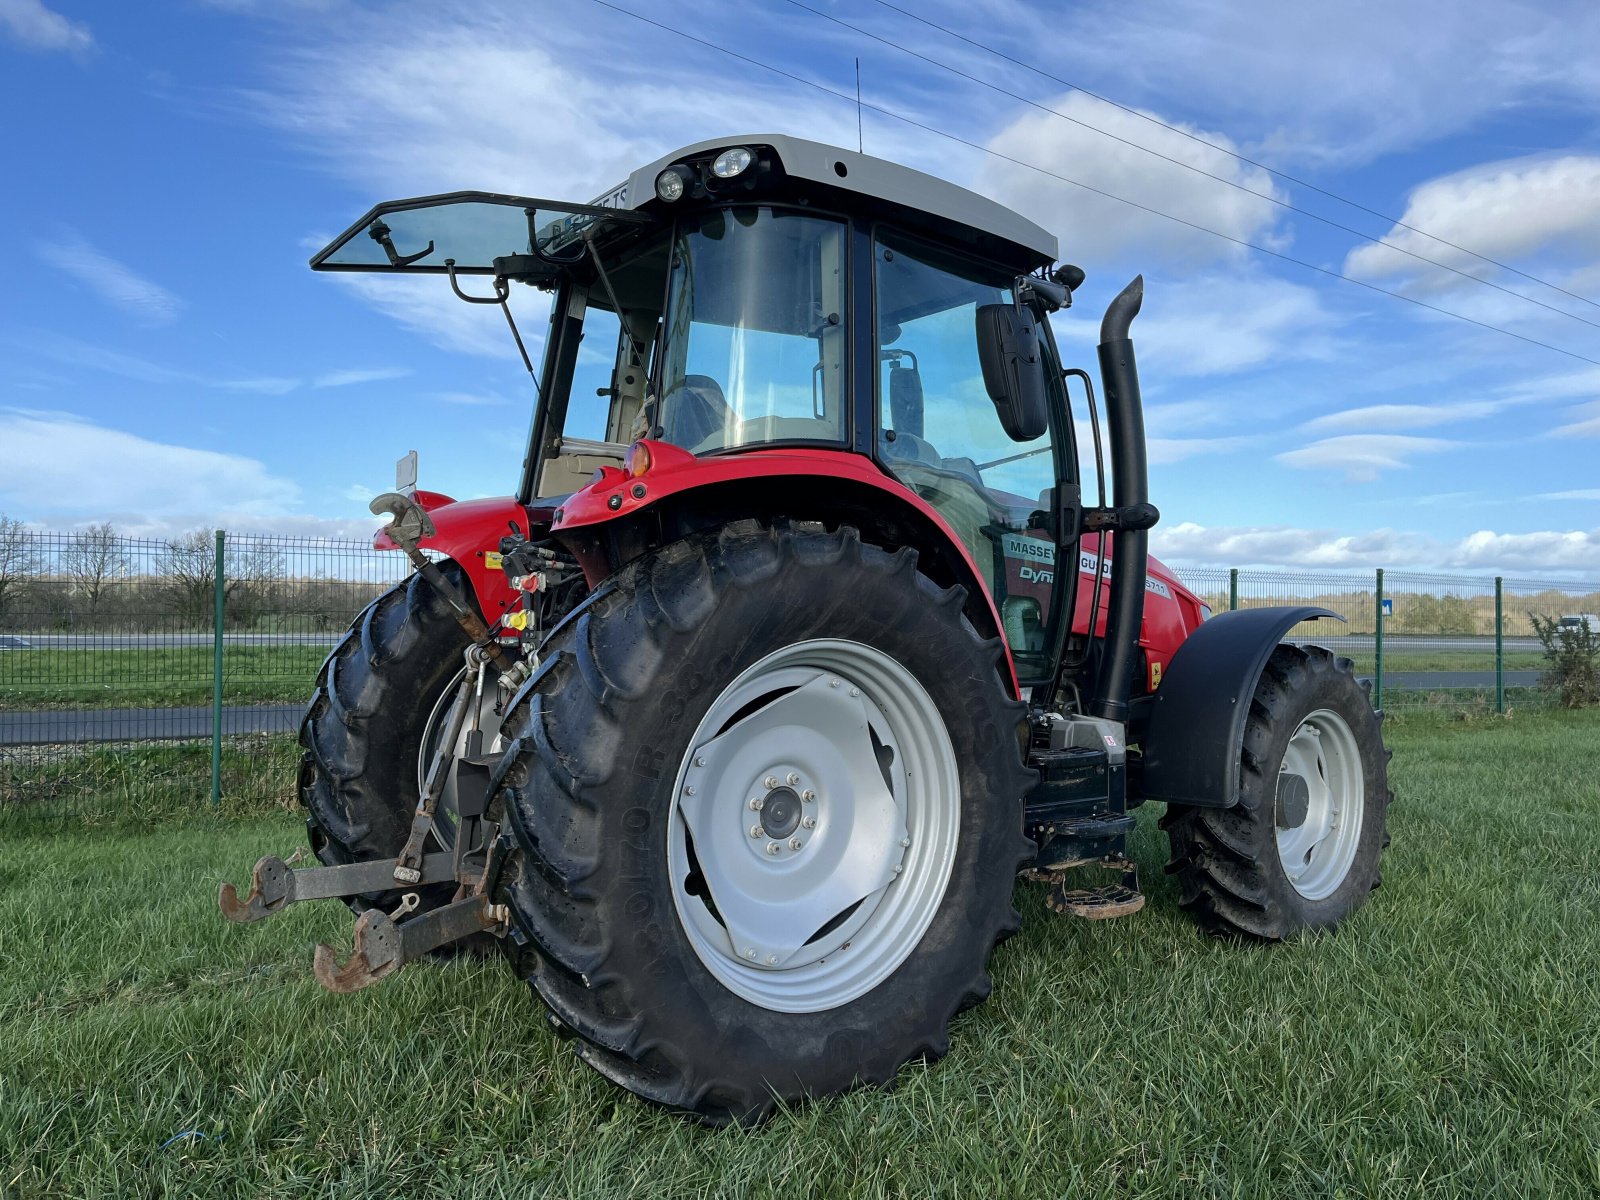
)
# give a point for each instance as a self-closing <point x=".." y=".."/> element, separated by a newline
<point x="1132" y="514"/>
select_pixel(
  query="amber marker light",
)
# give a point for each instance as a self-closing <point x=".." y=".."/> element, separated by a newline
<point x="637" y="461"/>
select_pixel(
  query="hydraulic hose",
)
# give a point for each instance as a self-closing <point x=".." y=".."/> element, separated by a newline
<point x="1119" y="374"/>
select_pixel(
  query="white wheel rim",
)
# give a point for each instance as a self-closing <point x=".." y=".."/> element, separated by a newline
<point x="1318" y="852"/>
<point x="803" y="904"/>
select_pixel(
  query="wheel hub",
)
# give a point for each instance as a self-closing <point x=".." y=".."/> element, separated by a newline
<point x="780" y="812"/>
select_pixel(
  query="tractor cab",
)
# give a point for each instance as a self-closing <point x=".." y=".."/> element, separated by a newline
<point x="778" y="296"/>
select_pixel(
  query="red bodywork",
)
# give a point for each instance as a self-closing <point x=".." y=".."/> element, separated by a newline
<point x="467" y="530"/>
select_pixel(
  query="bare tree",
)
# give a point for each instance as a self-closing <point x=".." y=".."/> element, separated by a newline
<point x="19" y="560"/>
<point x="93" y="558"/>
<point x="188" y="567"/>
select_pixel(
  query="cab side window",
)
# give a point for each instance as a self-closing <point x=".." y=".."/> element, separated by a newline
<point x="941" y="436"/>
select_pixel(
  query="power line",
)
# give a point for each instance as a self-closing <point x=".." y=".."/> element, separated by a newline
<point x="1194" y="137"/>
<point x="1178" y="162"/>
<point x="914" y="123"/>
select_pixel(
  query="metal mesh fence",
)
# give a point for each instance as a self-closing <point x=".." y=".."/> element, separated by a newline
<point x="116" y="672"/>
<point x="134" y="669"/>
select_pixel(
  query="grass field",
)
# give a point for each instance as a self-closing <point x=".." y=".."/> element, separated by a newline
<point x="1443" y="1043"/>
<point x="48" y="678"/>
<point x="80" y="678"/>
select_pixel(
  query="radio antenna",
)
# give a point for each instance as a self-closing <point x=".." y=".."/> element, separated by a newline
<point x="860" y="142"/>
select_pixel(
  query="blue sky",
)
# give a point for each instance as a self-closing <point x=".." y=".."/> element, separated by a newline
<point x="170" y="362"/>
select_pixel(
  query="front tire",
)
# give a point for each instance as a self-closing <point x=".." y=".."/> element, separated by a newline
<point x="719" y="970"/>
<point x="379" y="695"/>
<point x="1299" y="849"/>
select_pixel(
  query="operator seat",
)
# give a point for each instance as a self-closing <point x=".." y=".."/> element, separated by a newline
<point x="692" y="413"/>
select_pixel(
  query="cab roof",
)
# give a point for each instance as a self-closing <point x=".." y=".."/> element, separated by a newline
<point x="852" y="181"/>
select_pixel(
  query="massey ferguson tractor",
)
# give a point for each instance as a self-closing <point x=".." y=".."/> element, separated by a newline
<point x="799" y="640"/>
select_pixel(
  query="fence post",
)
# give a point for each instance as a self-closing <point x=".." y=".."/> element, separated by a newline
<point x="1377" y="641"/>
<point x="1499" y="646"/>
<point x="218" y="592"/>
<point x="1233" y="589"/>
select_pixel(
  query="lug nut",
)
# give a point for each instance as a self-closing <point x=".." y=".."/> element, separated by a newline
<point x="755" y="831"/>
<point x="833" y="683"/>
<point x="772" y="960"/>
<point x="808" y="795"/>
<point x="793" y="779"/>
<point x="770" y="782"/>
<point x="809" y="822"/>
<point x="749" y="953"/>
<point x="795" y="843"/>
<point x="904" y="842"/>
<point x="699" y="760"/>
<point x="755" y="803"/>
<point x="689" y="791"/>
<point x="773" y="847"/>
<point x="855" y="691"/>
<point x="898" y="868"/>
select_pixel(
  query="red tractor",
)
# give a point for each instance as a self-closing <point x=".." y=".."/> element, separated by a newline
<point x="737" y="723"/>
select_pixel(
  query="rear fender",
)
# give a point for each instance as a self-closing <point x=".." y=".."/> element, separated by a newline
<point x="1196" y="730"/>
<point x="810" y="484"/>
<point x="468" y="531"/>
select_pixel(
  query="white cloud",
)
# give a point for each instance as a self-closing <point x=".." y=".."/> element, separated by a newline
<point x="1487" y="552"/>
<point x="1541" y="214"/>
<point x="424" y="305"/>
<point x="1161" y="451"/>
<point x="1361" y="456"/>
<point x="115" y="282"/>
<point x="356" y="375"/>
<point x="1096" y="229"/>
<point x="1382" y="417"/>
<point x="1575" y="494"/>
<point x="31" y="25"/>
<point x="74" y="352"/>
<point x="56" y="463"/>
<point x="1218" y="324"/>
<point x="1586" y="425"/>
<point x="1318" y="83"/>
<point x="474" y="399"/>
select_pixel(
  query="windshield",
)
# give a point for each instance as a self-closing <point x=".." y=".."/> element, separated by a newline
<point x="754" y="344"/>
<point x="471" y="230"/>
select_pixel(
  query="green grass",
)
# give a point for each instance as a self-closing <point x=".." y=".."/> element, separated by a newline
<point x="1447" y="660"/>
<point x="1443" y="1043"/>
<point x="50" y="678"/>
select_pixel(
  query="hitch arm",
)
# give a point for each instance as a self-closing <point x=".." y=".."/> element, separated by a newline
<point x="274" y="885"/>
<point x="382" y="947"/>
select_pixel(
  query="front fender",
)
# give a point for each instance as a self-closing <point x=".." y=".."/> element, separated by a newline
<point x="468" y="531"/>
<point x="1196" y="731"/>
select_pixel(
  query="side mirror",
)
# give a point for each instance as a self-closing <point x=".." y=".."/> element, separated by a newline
<point x="1013" y="369"/>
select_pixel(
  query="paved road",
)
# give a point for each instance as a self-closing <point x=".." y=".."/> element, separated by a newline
<point x="1405" y="680"/>
<point x="55" y="726"/>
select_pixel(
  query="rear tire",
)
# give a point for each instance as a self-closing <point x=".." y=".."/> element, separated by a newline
<point x="616" y="915"/>
<point x="363" y="731"/>
<point x="1300" y="847"/>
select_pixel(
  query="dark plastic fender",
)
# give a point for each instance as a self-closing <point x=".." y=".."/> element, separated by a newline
<point x="1196" y="731"/>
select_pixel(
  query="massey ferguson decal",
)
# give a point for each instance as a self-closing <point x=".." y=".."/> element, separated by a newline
<point x="1031" y="567"/>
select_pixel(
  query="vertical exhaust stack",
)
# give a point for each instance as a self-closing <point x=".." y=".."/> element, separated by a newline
<point x="1131" y="515"/>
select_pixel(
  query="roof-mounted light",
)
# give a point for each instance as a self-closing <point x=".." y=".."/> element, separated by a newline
<point x="673" y="182"/>
<point x="732" y="162"/>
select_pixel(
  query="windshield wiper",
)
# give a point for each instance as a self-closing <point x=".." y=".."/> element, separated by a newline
<point x="379" y="232"/>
